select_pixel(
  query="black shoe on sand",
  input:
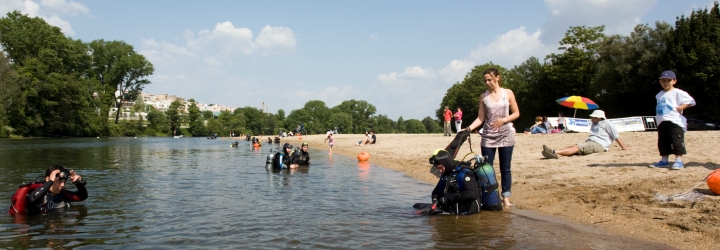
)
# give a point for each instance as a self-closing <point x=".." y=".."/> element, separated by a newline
<point x="548" y="153"/>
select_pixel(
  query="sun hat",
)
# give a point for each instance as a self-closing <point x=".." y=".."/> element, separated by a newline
<point x="668" y="75"/>
<point x="598" y="114"/>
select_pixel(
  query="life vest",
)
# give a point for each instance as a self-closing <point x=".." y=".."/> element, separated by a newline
<point x="19" y="199"/>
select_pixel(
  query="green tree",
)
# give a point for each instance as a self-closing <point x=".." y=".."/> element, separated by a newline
<point x="400" y="125"/>
<point x="174" y="117"/>
<point x="121" y="71"/>
<point x="694" y="55"/>
<point x="9" y="91"/>
<point x="432" y="125"/>
<point x="628" y="67"/>
<point x="195" y="119"/>
<point x="295" y="118"/>
<point x="207" y="114"/>
<point x="214" y="127"/>
<point x="415" y="126"/>
<point x="382" y="124"/>
<point x="50" y="70"/>
<point x="229" y="122"/>
<point x="529" y="84"/>
<point x="360" y="110"/>
<point x="318" y="116"/>
<point x="158" y="122"/>
<point x="342" y="121"/>
<point x="572" y="71"/>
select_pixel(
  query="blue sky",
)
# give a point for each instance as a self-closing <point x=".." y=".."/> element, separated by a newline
<point x="400" y="56"/>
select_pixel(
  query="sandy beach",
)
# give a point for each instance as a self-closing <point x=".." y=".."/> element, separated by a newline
<point x="614" y="190"/>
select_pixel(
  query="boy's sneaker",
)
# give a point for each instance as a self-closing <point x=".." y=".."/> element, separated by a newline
<point x="660" y="164"/>
<point x="677" y="166"/>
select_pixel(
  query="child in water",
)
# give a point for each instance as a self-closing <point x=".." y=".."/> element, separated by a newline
<point x="330" y="141"/>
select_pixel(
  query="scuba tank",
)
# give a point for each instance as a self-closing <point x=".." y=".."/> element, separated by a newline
<point x="269" y="163"/>
<point x="488" y="182"/>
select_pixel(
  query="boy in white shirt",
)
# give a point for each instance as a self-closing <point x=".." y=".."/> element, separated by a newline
<point x="672" y="124"/>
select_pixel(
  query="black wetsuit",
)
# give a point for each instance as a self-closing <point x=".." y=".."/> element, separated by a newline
<point x="281" y="161"/>
<point x="41" y="200"/>
<point x="462" y="198"/>
<point x="301" y="158"/>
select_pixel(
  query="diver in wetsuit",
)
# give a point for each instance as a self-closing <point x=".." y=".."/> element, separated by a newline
<point x="301" y="157"/>
<point x="282" y="160"/>
<point x="53" y="195"/>
<point x="457" y="191"/>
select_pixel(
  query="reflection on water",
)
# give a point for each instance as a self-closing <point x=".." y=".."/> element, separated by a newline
<point x="198" y="193"/>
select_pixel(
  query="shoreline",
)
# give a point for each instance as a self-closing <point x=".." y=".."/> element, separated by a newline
<point x="614" y="190"/>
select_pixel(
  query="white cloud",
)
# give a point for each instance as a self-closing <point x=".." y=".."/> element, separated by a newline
<point x="222" y="45"/>
<point x="618" y="16"/>
<point x="65" y="7"/>
<point x="511" y="48"/>
<point x="456" y="70"/>
<point x="410" y="74"/>
<point x="276" y="40"/>
<point x="374" y="37"/>
<point x="52" y="11"/>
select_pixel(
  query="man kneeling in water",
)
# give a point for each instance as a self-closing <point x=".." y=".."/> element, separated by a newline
<point x="301" y="157"/>
<point x="457" y="191"/>
<point x="53" y="195"/>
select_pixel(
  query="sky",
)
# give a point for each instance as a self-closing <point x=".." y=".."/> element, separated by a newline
<point x="400" y="56"/>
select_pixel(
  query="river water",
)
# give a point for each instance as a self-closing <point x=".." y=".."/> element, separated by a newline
<point x="157" y="193"/>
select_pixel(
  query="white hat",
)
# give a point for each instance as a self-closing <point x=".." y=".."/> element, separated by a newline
<point x="598" y="114"/>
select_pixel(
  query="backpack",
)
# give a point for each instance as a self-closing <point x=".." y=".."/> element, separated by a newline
<point x="486" y="181"/>
<point x="18" y="204"/>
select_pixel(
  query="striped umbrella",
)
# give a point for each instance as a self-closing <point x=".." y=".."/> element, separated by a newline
<point x="577" y="102"/>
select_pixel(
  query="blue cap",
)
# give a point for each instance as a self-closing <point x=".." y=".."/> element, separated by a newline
<point x="668" y="74"/>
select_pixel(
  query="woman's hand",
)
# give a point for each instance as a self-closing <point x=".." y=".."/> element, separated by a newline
<point x="497" y="124"/>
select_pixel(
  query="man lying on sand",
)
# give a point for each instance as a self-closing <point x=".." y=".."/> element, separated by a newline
<point x="602" y="134"/>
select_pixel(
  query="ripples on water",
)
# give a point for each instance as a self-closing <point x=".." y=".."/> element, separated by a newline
<point x="198" y="193"/>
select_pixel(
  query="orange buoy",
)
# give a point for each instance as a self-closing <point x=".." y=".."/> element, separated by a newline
<point x="363" y="156"/>
<point x="713" y="181"/>
<point x="257" y="145"/>
<point x="300" y="138"/>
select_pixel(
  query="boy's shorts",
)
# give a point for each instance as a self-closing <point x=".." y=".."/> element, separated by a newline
<point x="589" y="147"/>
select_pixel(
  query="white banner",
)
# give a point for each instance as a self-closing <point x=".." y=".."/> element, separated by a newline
<point x="628" y="124"/>
<point x="577" y="124"/>
<point x="583" y="125"/>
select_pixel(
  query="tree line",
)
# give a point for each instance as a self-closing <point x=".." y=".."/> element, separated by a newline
<point x="618" y="72"/>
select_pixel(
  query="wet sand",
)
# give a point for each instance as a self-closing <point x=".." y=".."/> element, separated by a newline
<point x="614" y="190"/>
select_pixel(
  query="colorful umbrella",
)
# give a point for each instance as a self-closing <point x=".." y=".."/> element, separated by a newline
<point x="577" y="102"/>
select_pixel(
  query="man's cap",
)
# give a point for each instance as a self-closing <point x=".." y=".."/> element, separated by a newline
<point x="598" y="114"/>
<point x="305" y="144"/>
<point x="667" y="75"/>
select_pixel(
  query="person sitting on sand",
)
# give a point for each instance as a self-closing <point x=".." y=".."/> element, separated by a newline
<point x="538" y="127"/>
<point x="369" y="138"/>
<point x="602" y="134"/>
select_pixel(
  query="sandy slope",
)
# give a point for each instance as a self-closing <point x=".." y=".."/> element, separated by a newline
<point x="614" y="190"/>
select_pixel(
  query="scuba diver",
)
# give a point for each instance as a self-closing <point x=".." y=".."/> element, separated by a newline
<point x="234" y="145"/>
<point x="50" y="195"/>
<point x="301" y="156"/>
<point x="457" y="190"/>
<point x="465" y="187"/>
<point x="282" y="159"/>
